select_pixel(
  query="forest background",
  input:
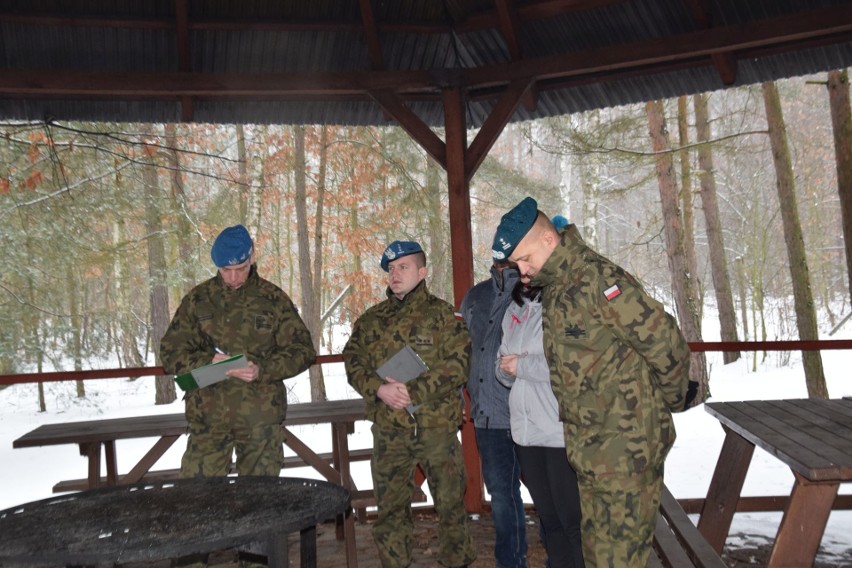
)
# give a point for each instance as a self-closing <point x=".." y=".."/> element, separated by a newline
<point x="727" y="199"/>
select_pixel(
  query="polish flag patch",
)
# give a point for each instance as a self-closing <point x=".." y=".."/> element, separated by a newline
<point x="612" y="292"/>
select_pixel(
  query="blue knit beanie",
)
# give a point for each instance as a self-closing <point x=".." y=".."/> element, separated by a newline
<point x="232" y="246"/>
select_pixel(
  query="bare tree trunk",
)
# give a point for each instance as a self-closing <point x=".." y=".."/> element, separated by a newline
<point x="254" y="191"/>
<point x="242" y="163"/>
<point x="158" y="293"/>
<point x="76" y="340"/>
<point x="841" y="125"/>
<point x="743" y="296"/>
<point x="32" y="320"/>
<point x="589" y="180"/>
<point x="315" y="326"/>
<point x="180" y="210"/>
<point x="802" y="297"/>
<point x="438" y="264"/>
<point x="715" y="237"/>
<point x="566" y="172"/>
<point x="309" y="307"/>
<point x="688" y="206"/>
<point x="128" y="344"/>
<point x="128" y="340"/>
<point x="673" y="230"/>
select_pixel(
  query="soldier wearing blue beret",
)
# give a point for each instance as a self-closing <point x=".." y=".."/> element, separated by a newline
<point x="415" y="421"/>
<point x="619" y="366"/>
<point x="236" y="312"/>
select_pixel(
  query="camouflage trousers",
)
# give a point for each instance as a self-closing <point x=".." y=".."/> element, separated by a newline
<point x="259" y="451"/>
<point x="396" y="453"/>
<point x="619" y="517"/>
<point x="220" y="423"/>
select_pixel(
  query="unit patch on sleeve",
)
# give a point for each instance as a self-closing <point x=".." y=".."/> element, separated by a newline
<point x="612" y="292"/>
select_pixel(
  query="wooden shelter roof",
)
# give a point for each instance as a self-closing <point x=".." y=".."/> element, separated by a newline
<point x="455" y="64"/>
<point x="367" y="62"/>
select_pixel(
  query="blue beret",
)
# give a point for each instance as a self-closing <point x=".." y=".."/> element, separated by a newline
<point x="559" y="221"/>
<point x="514" y="225"/>
<point x="232" y="246"/>
<point x="398" y="249"/>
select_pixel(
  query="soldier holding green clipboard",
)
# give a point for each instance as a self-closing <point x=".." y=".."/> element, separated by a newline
<point x="235" y="313"/>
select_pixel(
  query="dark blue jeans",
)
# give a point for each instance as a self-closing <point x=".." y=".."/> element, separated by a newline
<point x="501" y="470"/>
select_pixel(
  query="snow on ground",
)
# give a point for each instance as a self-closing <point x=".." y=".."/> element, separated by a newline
<point x="29" y="473"/>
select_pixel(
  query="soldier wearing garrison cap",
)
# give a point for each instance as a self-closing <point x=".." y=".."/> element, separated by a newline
<point x="236" y="312"/>
<point x="619" y="367"/>
<point x="416" y="421"/>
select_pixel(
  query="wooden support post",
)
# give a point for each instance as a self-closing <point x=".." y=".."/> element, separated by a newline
<point x="462" y="247"/>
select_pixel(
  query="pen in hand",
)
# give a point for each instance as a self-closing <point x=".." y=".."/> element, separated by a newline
<point x="219" y="355"/>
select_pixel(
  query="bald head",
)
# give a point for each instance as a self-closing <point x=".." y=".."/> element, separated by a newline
<point x="535" y="248"/>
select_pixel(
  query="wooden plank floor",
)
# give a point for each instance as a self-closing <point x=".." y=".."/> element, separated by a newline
<point x="330" y="552"/>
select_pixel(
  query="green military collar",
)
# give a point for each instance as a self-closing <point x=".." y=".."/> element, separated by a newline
<point x="417" y="296"/>
<point x="252" y="281"/>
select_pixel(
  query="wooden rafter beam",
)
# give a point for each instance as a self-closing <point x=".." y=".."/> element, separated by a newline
<point x="508" y="27"/>
<point x="371" y="35"/>
<point x="509" y="23"/>
<point x="725" y="63"/>
<point x="183" y="53"/>
<point x="412" y="124"/>
<point x="493" y="126"/>
<point x="212" y="85"/>
<point x="781" y="33"/>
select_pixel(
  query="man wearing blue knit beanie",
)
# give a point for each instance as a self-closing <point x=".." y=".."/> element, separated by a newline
<point x="236" y="312"/>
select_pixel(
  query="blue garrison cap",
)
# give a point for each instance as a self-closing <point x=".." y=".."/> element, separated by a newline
<point x="232" y="246"/>
<point x="559" y="221"/>
<point x="398" y="249"/>
<point x="514" y="225"/>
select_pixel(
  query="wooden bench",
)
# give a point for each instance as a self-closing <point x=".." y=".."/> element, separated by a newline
<point x="677" y="542"/>
<point x="159" y="475"/>
<point x="364" y="498"/>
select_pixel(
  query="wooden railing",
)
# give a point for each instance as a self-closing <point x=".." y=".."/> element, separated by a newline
<point x="767" y="503"/>
<point x="704" y="346"/>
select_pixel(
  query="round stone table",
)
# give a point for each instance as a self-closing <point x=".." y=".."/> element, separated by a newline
<point x="153" y="521"/>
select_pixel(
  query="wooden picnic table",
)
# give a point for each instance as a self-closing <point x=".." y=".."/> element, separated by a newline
<point x="813" y="437"/>
<point x="91" y="435"/>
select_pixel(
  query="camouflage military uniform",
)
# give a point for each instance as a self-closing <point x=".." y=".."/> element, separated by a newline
<point x="259" y="320"/>
<point x="430" y="438"/>
<point x="618" y="365"/>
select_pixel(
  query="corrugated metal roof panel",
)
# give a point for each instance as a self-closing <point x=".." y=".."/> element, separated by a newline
<point x="291" y="36"/>
<point x="91" y="110"/>
<point x="243" y="51"/>
<point x="94" y="49"/>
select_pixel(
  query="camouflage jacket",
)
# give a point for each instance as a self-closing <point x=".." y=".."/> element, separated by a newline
<point x="429" y="326"/>
<point x="258" y="319"/>
<point x="618" y="362"/>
